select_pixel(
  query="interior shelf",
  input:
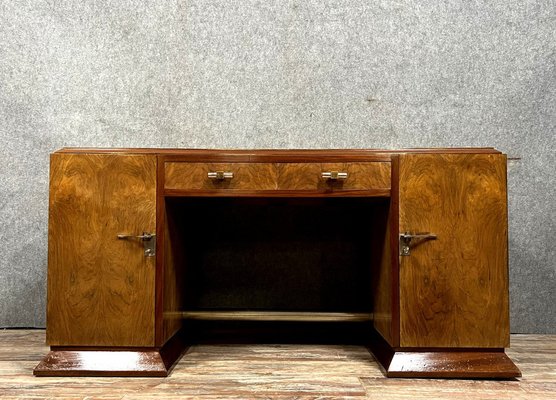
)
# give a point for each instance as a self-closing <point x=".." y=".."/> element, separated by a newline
<point x="271" y="316"/>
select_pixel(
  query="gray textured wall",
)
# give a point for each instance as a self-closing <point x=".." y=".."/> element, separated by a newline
<point x="283" y="74"/>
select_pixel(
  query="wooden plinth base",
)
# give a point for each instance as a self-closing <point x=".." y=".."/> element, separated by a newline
<point x="396" y="362"/>
<point x="67" y="361"/>
<point x="443" y="363"/>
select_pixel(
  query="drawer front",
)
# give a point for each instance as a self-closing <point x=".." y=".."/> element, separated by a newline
<point x="195" y="176"/>
<point x="308" y="176"/>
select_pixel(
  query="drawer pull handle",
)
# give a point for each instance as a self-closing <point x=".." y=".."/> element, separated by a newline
<point x="334" y="175"/>
<point x="220" y="175"/>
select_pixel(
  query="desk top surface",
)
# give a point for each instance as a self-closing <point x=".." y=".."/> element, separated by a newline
<point x="275" y="155"/>
<point x="185" y="151"/>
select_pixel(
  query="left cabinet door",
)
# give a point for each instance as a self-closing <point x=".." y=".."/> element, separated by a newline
<point x="101" y="290"/>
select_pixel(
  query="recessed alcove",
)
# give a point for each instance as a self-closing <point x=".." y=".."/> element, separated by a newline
<point x="291" y="263"/>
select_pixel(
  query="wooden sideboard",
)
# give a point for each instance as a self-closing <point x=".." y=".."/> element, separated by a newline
<point x="409" y="245"/>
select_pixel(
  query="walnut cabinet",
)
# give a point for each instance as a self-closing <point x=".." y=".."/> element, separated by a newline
<point x="150" y="250"/>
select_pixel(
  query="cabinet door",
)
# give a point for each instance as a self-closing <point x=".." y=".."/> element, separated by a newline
<point x="454" y="290"/>
<point x="101" y="290"/>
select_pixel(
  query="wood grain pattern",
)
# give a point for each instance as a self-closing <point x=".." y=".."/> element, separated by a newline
<point x="193" y="176"/>
<point x="454" y="290"/>
<point x="100" y="289"/>
<point x="183" y="176"/>
<point x="274" y="371"/>
<point x="307" y="176"/>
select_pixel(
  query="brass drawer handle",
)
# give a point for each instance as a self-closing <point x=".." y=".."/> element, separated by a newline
<point x="220" y="175"/>
<point x="334" y="175"/>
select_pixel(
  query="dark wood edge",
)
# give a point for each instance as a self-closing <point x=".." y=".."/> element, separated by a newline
<point x="507" y="269"/>
<point x="103" y="348"/>
<point x="159" y="275"/>
<point x="254" y="154"/>
<point x="277" y="193"/>
<point x="381" y="350"/>
<point x="281" y="158"/>
<point x="77" y="361"/>
<point x="95" y="373"/>
<point x="442" y="362"/>
<point x="449" y="349"/>
<point x="83" y="362"/>
<point x="50" y="246"/>
<point x="394" y="244"/>
<point x="173" y="349"/>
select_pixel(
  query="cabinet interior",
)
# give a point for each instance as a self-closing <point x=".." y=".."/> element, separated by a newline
<point x="273" y="259"/>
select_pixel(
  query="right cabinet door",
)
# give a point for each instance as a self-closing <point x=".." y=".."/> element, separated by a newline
<point x="453" y="290"/>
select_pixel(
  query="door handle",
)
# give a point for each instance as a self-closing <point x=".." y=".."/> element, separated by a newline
<point x="148" y="239"/>
<point x="408" y="240"/>
<point x="144" y="236"/>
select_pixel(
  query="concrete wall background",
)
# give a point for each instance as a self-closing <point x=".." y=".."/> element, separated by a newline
<point x="278" y="74"/>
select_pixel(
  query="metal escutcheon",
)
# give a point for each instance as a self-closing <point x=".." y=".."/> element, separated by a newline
<point x="408" y="240"/>
<point x="148" y="239"/>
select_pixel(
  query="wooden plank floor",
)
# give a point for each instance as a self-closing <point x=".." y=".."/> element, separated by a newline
<point x="274" y="371"/>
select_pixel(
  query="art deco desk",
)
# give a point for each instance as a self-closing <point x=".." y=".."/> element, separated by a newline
<point x="406" y="248"/>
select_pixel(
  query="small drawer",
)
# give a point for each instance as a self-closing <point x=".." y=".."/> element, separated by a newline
<point x="336" y="176"/>
<point x="209" y="176"/>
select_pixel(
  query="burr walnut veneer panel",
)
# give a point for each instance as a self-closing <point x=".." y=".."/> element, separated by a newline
<point x="193" y="176"/>
<point x="277" y="176"/>
<point x="100" y="289"/>
<point x="307" y="176"/>
<point x="454" y="290"/>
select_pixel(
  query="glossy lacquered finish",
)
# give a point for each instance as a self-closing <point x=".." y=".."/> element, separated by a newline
<point x="398" y="362"/>
<point x="450" y="364"/>
<point x="277" y="371"/>
<point x="75" y="361"/>
<point x="101" y="363"/>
